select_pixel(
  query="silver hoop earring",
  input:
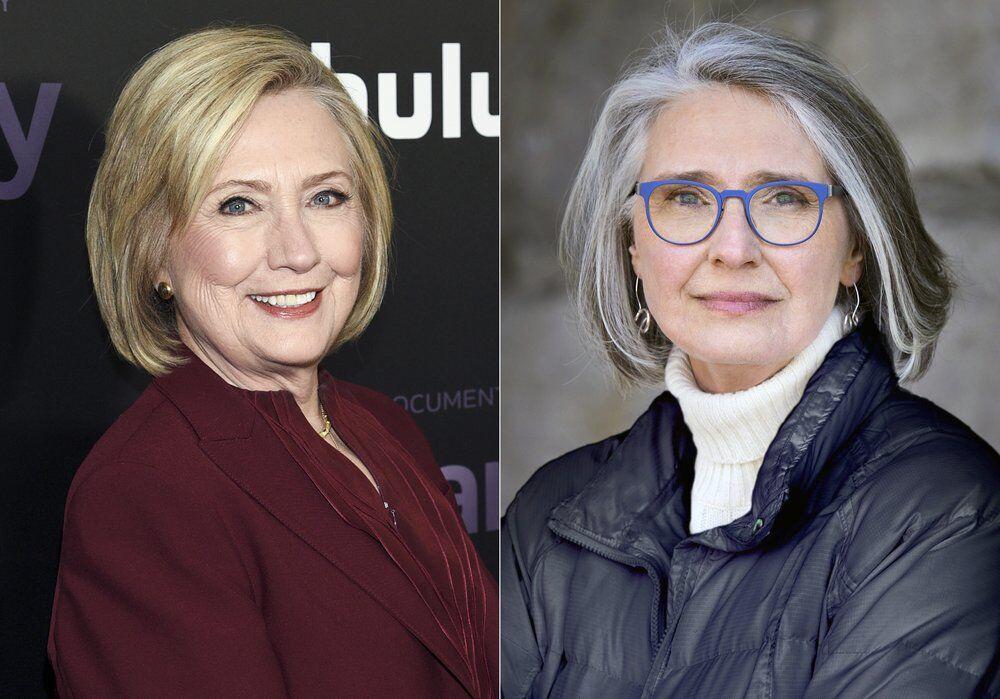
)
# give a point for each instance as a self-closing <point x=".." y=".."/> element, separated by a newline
<point x="642" y="316"/>
<point x="851" y="319"/>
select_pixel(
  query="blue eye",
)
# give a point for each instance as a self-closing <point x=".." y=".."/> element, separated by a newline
<point x="234" y="212"/>
<point x="327" y="199"/>
<point x="334" y="198"/>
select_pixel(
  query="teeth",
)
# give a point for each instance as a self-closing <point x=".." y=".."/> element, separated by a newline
<point x="285" y="300"/>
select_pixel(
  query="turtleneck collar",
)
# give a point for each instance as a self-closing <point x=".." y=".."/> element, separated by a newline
<point x="738" y="427"/>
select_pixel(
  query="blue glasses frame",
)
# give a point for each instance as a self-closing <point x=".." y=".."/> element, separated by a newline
<point x="822" y="191"/>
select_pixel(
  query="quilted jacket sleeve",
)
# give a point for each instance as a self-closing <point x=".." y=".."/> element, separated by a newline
<point x="152" y="598"/>
<point x="921" y="616"/>
<point x="520" y="658"/>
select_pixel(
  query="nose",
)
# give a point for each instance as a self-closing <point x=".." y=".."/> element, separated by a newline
<point x="292" y="244"/>
<point x="733" y="243"/>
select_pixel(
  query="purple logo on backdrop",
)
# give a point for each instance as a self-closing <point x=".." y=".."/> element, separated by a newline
<point x="459" y="399"/>
<point x="26" y="149"/>
<point x="463" y="482"/>
<point x="463" y="479"/>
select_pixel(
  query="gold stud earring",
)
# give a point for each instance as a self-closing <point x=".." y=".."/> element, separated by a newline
<point x="164" y="291"/>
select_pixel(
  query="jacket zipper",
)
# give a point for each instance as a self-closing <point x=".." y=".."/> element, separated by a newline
<point x="378" y="488"/>
<point x="649" y="565"/>
<point x="663" y="651"/>
<point x="385" y="503"/>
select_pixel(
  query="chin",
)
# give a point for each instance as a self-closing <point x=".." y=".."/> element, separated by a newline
<point x="755" y="346"/>
<point x="304" y="356"/>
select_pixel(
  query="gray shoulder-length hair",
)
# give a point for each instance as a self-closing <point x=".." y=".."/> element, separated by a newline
<point x="906" y="283"/>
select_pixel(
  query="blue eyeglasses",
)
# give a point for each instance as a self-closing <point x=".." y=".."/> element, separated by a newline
<point x="684" y="212"/>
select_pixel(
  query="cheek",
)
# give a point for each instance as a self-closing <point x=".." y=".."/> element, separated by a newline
<point x="811" y="271"/>
<point x="344" y="249"/>
<point x="809" y="275"/>
<point x="664" y="268"/>
<point x="204" y="258"/>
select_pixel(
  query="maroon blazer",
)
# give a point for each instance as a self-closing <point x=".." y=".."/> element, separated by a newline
<point x="200" y="559"/>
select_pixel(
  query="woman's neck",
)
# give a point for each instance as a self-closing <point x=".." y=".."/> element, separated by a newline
<point x="737" y="426"/>
<point x="729" y="378"/>
<point x="714" y="377"/>
<point x="301" y="382"/>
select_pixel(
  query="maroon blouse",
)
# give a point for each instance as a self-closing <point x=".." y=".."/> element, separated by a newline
<point x="215" y="545"/>
<point x="420" y="531"/>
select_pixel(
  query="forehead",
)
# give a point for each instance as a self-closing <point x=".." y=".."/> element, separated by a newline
<point x="730" y="132"/>
<point x="286" y="134"/>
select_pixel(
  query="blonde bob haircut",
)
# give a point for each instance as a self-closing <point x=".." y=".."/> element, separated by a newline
<point x="906" y="284"/>
<point x="168" y="134"/>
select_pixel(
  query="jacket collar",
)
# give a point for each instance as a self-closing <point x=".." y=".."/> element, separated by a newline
<point x="216" y="409"/>
<point x="639" y="502"/>
<point x="239" y="441"/>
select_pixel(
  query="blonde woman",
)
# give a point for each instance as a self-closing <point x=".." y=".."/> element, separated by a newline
<point x="785" y="520"/>
<point x="252" y="526"/>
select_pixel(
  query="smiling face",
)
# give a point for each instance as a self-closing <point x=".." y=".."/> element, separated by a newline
<point x="731" y="135"/>
<point x="299" y="227"/>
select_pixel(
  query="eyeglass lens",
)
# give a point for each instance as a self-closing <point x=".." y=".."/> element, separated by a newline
<point x="782" y="214"/>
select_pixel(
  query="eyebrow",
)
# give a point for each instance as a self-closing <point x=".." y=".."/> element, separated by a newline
<point x="262" y="186"/>
<point x="755" y="178"/>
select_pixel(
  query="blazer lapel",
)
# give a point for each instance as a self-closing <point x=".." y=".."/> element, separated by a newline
<point x="241" y="443"/>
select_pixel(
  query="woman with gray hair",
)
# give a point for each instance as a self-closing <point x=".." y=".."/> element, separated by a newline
<point x="786" y="519"/>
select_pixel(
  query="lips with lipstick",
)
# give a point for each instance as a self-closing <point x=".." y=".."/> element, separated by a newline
<point x="290" y="303"/>
<point x="736" y="302"/>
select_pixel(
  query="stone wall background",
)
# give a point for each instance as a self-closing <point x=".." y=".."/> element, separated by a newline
<point x="933" y="70"/>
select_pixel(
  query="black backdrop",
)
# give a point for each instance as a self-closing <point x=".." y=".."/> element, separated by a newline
<point x="433" y="345"/>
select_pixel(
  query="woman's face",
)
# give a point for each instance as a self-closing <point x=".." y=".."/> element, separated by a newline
<point x="299" y="227"/>
<point x="730" y="135"/>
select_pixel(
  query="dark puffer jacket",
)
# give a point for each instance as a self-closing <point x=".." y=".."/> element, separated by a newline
<point x="868" y="565"/>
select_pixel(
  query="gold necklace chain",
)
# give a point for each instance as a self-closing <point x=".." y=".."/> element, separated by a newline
<point x="326" y="422"/>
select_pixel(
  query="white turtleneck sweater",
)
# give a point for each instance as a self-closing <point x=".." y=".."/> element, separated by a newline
<point x="732" y="431"/>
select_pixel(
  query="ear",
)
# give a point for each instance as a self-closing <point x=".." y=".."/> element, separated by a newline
<point x="851" y="271"/>
<point x="636" y="260"/>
